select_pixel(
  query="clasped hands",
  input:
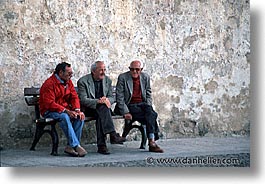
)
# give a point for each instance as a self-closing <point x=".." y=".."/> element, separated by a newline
<point x="76" y="114"/>
<point x="104" y="100"/>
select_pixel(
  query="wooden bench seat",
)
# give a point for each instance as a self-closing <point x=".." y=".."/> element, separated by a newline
<point x="32" y="99"/>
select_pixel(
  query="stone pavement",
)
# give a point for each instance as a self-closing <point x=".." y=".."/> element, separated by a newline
<point x="182" y="152"/>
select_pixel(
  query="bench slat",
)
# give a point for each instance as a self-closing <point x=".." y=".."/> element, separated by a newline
<point x="31" y="101"/>
<point x="117" y="117"/>
<point x="44" y="120"/>
<point x="31" y="91"/>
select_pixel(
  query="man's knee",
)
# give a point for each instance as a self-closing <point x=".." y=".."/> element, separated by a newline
<point x="149" y="110"/>
<point x="64" y="116"/>
<point x="103" y="109"/>
<point x="154" y="114"/>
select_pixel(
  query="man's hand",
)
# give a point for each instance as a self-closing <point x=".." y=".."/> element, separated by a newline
<point x="75" y="114"/>
<point x="72" y="114"/>
<point x="128" y="116"/>
<point x="81" y="115"/>
<point x="104" y="100"/>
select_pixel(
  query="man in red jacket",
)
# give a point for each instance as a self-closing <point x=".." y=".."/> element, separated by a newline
<point x="59" y="101"/>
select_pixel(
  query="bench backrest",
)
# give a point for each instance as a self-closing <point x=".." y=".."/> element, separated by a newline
<point x="32" y="99"/>
<point x="32" y="95"/>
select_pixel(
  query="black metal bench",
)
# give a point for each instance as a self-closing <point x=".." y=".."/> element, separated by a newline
<point x="32" y="99"/>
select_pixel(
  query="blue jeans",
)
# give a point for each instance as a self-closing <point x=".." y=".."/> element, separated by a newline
<point x="72" y="128"/>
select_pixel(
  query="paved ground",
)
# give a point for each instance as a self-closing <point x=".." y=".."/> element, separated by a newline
<point x="184" y="152"/>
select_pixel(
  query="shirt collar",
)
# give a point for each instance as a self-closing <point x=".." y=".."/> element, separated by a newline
<point x="57" y="76"/>
<point x="95" y="79"/>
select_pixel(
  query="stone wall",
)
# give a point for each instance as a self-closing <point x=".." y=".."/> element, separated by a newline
<point x="196" y="51"/>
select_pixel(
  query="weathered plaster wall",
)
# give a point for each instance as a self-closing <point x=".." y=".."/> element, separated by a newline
<point x="196" y="51"/>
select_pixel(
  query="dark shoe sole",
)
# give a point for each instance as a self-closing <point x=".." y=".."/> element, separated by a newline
<point x="81" y="155"/>
<point x="155" y="151"/>
<point x="104" y="153"/>
<point x="71" y="154"/>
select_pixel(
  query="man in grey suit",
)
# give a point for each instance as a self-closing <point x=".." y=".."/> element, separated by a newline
<point x="134" y="101"/>
<point x="95" y="94"/>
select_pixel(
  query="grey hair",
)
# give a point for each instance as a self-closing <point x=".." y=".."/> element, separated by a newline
<point x="94" y="65"/>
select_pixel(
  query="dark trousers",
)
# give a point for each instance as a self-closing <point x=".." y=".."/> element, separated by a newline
<point x="104" y="122"/>
<point x="145" y="114"/>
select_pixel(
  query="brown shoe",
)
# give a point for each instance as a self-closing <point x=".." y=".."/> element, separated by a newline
<point x="103" y="150"/>
<point x="123" y="139"/>
<point x="153" y="147"/>
<point x="69" y="150"/>
<point x="81" y="151"/>
<point x="115" y="138"/>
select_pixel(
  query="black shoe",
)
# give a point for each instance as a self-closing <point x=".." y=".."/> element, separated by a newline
<point x="103" y="150"/>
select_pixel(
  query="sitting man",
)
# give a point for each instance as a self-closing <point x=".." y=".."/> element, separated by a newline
<point x="134" y="101"/>
<point x="95" y="93"/>
<point x="59" y="101"/>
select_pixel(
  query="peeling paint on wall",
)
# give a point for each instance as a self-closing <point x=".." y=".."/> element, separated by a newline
<point x="196" y="52"/>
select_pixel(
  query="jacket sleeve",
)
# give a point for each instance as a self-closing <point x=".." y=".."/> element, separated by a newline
<point x="47" y="99"/>
<point x="148" y="91"/>
<point x="75" y="103"/>
<point x="120" y="96"/>
<point x="109" y="95"/>
<point x="84" y="97"/>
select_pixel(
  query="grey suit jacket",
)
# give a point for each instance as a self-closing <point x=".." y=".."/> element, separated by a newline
<point x="124" y="90"/>
<point x="86" y="91"/>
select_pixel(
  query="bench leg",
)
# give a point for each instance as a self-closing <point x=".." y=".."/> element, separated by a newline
<point x="144" y="136"/>
<point x="53" y="133"/>
<point x="38" y="133"/>
<point x="55" y="140"/>
<point x="127" y="128"/>
<point x="142" y="129"/>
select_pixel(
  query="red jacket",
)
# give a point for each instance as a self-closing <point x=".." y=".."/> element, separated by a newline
<point x="56" y="96"/>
